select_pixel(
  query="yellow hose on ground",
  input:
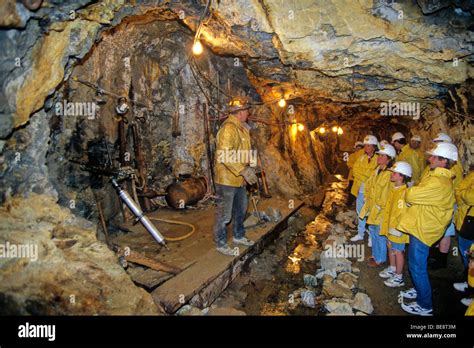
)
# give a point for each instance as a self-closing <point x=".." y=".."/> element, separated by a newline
<point x="175" y="222"/>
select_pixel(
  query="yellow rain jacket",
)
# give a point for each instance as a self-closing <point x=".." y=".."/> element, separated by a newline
<point x="232" y="152"/>
<point x="421" y="163"/>
<point x="464" y="194"/>
<point x="431" y="207"/>
<point x="351" y="161"/>
<point x="470" y="310"/>
<point x="376" y="190"/>
<point x="363" y="168"/>
<point x="457" y="172"/>
<point x="410" y="155"/>
<point x="425" y="172"/>
<point x="392" y="212"/>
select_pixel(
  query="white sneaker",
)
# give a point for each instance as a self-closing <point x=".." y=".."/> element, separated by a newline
<point x="244" y="241"/>
<point x="226" y="250"/>
<point x="460" y="286"/>
<point x="387" y="273"/>
<point x="369" y="243"/>
<point x="356" y="238"/>
<point x="467" y="301"/>
<point x="409" y="294"/>
<point x="416" y="309"/>
<point x="394" y="282"/>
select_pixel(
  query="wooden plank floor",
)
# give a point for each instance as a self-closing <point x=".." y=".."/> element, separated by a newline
<point x="201" y="263"/>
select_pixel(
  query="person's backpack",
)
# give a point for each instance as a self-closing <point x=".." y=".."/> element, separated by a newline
<point x="467" y="228"/>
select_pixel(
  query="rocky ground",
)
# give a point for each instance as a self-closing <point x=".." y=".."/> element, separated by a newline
<point x="294" y="277"/>
<point x="69" y="272"/>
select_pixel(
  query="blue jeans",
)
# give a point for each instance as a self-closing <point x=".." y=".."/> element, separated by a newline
<point x="379" y="244"/>
<point x="231" y="202"/>
<point x="418" y="266"/>
<point x="359" y="205"/>
<point x="464" y="245"/>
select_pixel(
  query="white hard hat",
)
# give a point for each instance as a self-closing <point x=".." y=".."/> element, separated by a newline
<point x="446" y="150"/>
<point x="443" y="138"/>
<point x="388" y="150"/>
<point x="358" y="143"/>
<point x="384" y="142"/>
<point x="370" y="140"/>
<point x="416" y="138"/>
<point x="402" y="168"/>
<point x="397" y="136"/>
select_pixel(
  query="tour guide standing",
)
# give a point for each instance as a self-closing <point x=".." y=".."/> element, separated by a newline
<point x="430" y="212"/>
<point x="232" y="171"/>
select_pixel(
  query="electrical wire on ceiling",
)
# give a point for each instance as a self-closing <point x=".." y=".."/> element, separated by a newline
<point x="201" y="21"/>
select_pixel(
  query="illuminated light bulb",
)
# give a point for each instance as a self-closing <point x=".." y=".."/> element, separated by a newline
<point x="322" y="130"/>
<point x="282" y="103"/>
<point x="334" y="129"/>
<point x="340" y="131"/>
<point x="301" y="127"/>
<point x="197" y="48"/>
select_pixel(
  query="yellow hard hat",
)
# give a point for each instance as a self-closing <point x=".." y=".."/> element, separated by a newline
<point x="238" y="103"/>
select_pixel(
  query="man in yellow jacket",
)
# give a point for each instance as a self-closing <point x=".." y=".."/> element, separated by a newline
<point x="363" y="168"/>
<point x="464" y="194"/>
<point x="407" y="154"/>
<point x="233" y="169"/>
<point x="439" y="253"/>
<point x="377" y="188"/>
<point x="351" y="159"/>
<point x="431" y="206"/>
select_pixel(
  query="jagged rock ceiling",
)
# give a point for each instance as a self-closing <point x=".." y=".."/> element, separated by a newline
<point x="350" y="50"/>
<point x="337" y="51"/>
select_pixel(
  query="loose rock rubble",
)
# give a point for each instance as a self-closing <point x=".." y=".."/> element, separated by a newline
<point x="363" y="303"/>
<point x="336" y="276"/>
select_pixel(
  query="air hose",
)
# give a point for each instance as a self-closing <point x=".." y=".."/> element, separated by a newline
<point x="175" y="222"/>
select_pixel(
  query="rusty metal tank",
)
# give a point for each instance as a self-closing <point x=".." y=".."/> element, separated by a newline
<point x="185" y="192"/>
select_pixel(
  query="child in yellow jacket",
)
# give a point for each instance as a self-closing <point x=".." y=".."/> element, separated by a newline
<point x="396" y="240"/>
<point x="377" y="188"/>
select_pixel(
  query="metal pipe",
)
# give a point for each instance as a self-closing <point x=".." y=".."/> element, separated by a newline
<point x="135" y="209"/>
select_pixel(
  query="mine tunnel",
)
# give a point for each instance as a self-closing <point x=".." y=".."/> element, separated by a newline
<point x="236" y="157"/>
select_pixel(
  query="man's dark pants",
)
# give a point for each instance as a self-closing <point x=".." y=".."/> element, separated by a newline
<point x="231" y="204"/>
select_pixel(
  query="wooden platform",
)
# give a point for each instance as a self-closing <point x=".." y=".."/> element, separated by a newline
<point x="206" y="272"/>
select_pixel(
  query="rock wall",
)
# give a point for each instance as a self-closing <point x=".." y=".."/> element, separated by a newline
<point x="64" y="269"/>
